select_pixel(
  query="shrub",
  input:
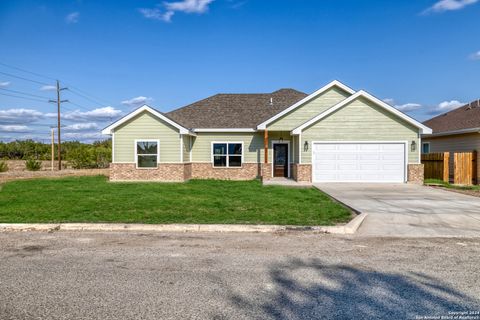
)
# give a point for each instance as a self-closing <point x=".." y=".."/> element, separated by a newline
<point x="33" y="165"/>
<point x="3" y="166"/>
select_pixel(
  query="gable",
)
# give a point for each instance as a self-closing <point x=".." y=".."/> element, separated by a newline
<point x="310" y="109"/>
<point x="146" y="126"/>
<point x="362" y="120"/>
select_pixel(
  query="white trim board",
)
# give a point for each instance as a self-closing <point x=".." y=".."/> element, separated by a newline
<point x="335" y="83"/>
<point x="182" y="130"/>
<point x="224" y="130"/>
<point x="405" y="156"/>
<point x="362" y="94"/>
<point x="287" y="142"/>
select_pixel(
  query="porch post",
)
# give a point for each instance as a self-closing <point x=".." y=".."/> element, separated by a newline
<point x="265" y="145"/>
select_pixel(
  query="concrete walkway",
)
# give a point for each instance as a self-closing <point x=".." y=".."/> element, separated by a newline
<point x="409" y="210"/>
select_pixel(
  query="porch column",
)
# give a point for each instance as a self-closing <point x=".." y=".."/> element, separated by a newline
<point x="265" y="144"/>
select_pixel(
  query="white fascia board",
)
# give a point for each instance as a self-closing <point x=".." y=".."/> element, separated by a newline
<point x="108" y="130"/>
<point x="424" y="129"/>
<point x="335" y="83"/>
<point x="224" y="130"/>
<point x="453" y="132"/>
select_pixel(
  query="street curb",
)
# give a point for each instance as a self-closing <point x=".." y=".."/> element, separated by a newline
<point x="349" y="228"/>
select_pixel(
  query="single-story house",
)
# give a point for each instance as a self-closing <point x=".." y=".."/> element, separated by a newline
<point x="455" y="131"/>
<point x="335" y="134"/>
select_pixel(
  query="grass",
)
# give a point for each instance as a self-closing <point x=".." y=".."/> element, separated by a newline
<point x="450" y="186"/>
<point x="94" y="199"/>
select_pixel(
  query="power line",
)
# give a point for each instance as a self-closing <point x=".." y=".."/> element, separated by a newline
<point x="24" y="93"/>
<point x="20" y="97"/>
<point x="23" y="70"/>
<point x="22" y="78"/>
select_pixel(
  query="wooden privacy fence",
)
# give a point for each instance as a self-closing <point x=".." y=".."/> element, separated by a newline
<point x="437" y="166"/>
<point x="464" y="167"/>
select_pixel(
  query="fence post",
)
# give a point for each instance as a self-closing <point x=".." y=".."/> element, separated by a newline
<point x="446" y="167"/>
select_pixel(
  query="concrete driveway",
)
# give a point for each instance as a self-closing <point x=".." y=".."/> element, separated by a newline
<point x="409" y="210"/>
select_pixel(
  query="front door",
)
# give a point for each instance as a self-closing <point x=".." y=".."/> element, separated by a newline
<point x="280" y="160"/>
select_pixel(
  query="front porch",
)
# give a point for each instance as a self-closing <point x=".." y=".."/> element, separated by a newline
<point x="282" y="158"/>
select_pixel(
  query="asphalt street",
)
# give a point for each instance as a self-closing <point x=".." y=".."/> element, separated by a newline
<point x="80" y="275"/>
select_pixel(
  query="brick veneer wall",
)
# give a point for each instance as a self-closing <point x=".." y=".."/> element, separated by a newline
<point x="303" y="172"/>
<point x="165" y="172"/>
<point x="248" y="171"/>
<point x="415" y="173"/>
<point x="266" y="171"/>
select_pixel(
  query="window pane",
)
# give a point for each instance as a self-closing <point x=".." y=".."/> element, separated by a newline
<point x="426" y="148"/>
<point x="235" y="161"/>
<point x="147" y="161"/>
<point x="219" y="148"/>
<point x="144" y="147"/>
<point x="235" y="148"/>
<point x="220" y="161"/>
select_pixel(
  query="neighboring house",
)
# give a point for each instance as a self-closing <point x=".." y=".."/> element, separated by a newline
<point x="455" y="131"/>
<point x="333" y="134"/>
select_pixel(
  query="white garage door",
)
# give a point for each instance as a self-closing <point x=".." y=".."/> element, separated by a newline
<point x="358" y="162"/>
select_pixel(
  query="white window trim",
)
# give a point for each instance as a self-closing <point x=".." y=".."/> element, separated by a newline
<point x="226" y="142"/>
<point x="423" y="143"/>
<point x="405" y="159"/>
<point x="287" y="142"/>
<point x="136" y="154"/>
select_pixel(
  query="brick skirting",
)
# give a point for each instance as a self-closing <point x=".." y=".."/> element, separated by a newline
<point x="168" y="172"/>
<point x="248" y="171"/>
<point x="415" y="173"/>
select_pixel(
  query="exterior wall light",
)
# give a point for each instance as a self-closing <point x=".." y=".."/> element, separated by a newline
<point x="305" y="146"/>
<point x="413" y="146"/>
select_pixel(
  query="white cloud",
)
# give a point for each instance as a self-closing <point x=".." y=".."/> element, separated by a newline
<point x="100" y="114"/>
<point x="475" y="56"/>
<point x="4" y="84"/>
<point x="14" y="128"/>
<point x="170" y="8"/>
<point x="48" y="88"/>
<point x="82" y="127"/>
<point x="407" y="107"/>
<point x="20" y="115"/>
<point x="72" y="17"/>
<point x="449" y="5"/>
<point x="156" y="14"/>
<point x="137" y="101"/>
<point x="445" y="106"/>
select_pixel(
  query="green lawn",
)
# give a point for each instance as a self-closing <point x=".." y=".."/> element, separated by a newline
<point x="94" y="199"/>
<point x="451" y="186"/>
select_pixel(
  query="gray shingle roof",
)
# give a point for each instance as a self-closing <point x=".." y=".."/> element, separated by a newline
<point x="235" y="110"/>
<point x="465" y="117"/>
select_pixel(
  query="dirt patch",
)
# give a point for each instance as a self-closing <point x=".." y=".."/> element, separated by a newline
<point x="22" y="175"/>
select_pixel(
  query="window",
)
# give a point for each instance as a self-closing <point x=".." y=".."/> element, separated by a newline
<point x="146" y="153"/>
<point x="425" y="147"/>
<point x="227" y="154"/>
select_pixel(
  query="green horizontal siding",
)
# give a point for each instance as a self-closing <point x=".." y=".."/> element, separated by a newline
<point x="146" y="126"/>
<point x="252" y="143"/>
<point x="361" y="120"/>
<point x="309" y="110"/>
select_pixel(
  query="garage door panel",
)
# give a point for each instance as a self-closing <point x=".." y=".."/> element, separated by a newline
<point x="361" y="162"/>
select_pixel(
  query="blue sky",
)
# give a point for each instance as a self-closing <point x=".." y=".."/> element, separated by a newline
<point x="422" y="56"/>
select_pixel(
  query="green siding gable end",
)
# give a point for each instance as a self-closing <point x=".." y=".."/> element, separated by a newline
<point x="146" y="126"/>
<point x="362" y="120"/>
<point x="309" y="110"/>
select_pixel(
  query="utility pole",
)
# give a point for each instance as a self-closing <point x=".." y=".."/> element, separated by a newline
<point x="53" y="146"/>
<point x="59" y="102"/>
